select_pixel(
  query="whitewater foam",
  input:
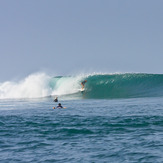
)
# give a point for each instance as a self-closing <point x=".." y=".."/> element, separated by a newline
<point x="33" y="86"/>
<point x="40" y="85"/>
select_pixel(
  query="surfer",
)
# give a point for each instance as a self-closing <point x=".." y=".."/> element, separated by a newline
<point x="59" y="106"/>
<point x="83" y="83"/>
<point x="56" y="99"/>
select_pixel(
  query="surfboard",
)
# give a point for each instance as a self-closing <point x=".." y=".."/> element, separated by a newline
<point x="82" y="89"/>
<point x="59" y="108"/>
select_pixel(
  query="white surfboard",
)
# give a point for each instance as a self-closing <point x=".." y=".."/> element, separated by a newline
<point x="81" y="90"/>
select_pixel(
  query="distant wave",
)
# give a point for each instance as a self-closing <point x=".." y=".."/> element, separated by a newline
<point x="98" y="86"/>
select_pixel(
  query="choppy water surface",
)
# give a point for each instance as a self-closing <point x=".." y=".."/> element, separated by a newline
<point x="120" y="130"/>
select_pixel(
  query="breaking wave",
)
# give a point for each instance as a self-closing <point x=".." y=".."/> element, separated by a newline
<point x="98" y="86"/>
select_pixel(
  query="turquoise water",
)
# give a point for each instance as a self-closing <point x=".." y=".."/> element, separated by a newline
<point x="110" y="86"/>
<point x="88" y="130"/>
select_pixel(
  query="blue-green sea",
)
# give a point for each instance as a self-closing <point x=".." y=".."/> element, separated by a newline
<point x="113" y="127"/>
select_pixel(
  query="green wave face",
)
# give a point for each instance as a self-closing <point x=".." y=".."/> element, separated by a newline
<point x="124" y="86"/>
<point x="111" y="86"/>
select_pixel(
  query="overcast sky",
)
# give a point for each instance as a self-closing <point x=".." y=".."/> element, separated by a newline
<point x="65" y="37"/>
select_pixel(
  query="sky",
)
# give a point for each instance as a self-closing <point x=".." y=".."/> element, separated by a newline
<point x="65" y="37"/>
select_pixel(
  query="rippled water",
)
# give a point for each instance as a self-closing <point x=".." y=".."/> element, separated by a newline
<point x="125" y="130"/>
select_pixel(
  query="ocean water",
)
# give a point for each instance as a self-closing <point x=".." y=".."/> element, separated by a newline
<point x="122" y="124"/>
